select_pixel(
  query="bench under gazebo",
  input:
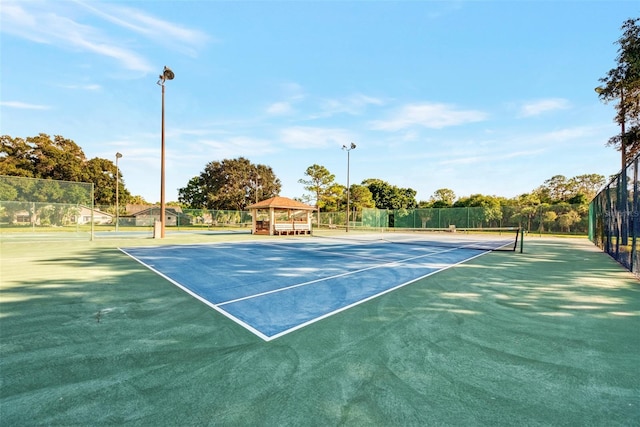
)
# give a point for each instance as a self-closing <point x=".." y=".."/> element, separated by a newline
<point x="281" y="216"/>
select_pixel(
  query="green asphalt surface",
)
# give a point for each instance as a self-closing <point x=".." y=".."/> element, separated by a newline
<point x="90" y="337"/>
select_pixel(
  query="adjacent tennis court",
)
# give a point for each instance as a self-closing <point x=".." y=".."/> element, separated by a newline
<point x="277" y="287"/>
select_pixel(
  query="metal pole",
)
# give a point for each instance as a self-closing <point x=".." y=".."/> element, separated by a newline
<point x="348" y="195"/>
<point x="348" y="149"/>
<point x="93" y="205"/>
<point x="118" y="155"/>
<point x="162" y="201"/>
<point x="624" y="205"/>
<point x="167" y="74"/>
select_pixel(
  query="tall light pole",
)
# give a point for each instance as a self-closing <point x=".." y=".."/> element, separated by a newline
<point x="118" y="155"/>
<point x="167" y="74"/>
<point x="348" y="150"/>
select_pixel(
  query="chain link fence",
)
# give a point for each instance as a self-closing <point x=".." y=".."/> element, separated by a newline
<point x="28" y="204"/>
<point x="32" y="204"/>
<point x="544" y="218"/>
<point x="614" y="225"/>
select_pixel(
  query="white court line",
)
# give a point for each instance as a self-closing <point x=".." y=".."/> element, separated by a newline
<point x="202" y="299"/>
<point x="324" y="251"/>
<point x="341" y="309"/>
<point x="218" y="307"/>
<point x="348" y="273"/>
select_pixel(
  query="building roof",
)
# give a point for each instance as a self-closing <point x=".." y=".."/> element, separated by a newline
<point x="281" y="203"/>
<point x="150" y="211"/>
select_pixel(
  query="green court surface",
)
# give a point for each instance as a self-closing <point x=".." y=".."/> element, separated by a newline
<point x="89" y="337"/>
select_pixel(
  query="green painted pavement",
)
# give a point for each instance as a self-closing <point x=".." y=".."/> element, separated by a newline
<point x="549" y="337"/>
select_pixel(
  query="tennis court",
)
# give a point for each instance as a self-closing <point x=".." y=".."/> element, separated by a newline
<point x="277" y="287"/>
<point x="89" y="336"/>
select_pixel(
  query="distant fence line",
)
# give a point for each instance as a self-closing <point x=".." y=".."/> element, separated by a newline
<point x="543" y="218"/>
<point x="614" y="218"/>
<point x="44" y="204"/>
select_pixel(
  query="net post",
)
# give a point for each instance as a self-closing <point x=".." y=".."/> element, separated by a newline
<point x="521" y="232"/>
<point x="92" y="209"/>
<point x="518" y="236"/>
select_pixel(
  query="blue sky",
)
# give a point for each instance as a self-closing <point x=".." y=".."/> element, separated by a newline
<point x="478" y="97"/>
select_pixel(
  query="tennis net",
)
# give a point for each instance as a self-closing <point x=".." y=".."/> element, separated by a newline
<point x="483" y="239"/>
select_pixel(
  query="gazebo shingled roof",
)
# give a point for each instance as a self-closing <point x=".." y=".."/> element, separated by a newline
<point x="281" y="203"/>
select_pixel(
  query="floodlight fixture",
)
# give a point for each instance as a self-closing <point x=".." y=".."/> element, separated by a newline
<point x="167" y="74"/>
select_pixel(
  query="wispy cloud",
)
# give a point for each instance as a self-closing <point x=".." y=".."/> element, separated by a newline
<point x="315" y="137"/>
<point x="19" y="22"/>
<point x="488" y="158"/>
<point x="158" y="30"/>
<point x="234" y="147"/>
<point x="293" y="94"/>
<point x="353" y="105"/>
<point x="83" y="87"/>
<point x="511" y="147"/>
<point x="62" y="25"/>
<point x="38" y="22"/>
<point x="280" y="108"/>
<point x="539" y="107"/>
<point x="434" y="116"/>
<point x="23" y="105"/>
<point x="554" y="138"/>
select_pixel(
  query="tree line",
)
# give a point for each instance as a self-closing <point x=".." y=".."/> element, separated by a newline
<point x="233" y="184"/>
<point x="559" y="202"/>
<point x="62" y="159"/>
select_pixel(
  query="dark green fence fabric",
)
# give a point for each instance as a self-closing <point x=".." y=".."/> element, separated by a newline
<point x="613" y="218"/>
<point x="542" y="218"/>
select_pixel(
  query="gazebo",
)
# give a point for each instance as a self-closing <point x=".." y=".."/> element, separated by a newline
<point x="281" y="215"/>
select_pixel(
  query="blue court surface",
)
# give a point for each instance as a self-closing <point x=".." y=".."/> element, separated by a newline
<point x="275" y="287"/>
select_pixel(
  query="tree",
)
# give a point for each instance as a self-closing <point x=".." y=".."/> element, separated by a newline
<point x="443" y="198"/>
<point x="361" y="197"/>
<point x="320" y="185"/>
<point x="15" y="157"/>
<point x="567" y="219"/>
<point x="335" y="197"/>
<point x="622" y="83"/>
<point x="387" y="196"/>
<point x="576" y="190"/>
<point x="59" y="158"/>
<point x="42" y="157"/>
<point x="558" y="187"/>
<point x="8" y="192"/>
<point x="231" y="184"/>
<point x="491" y="206"/>
<point x="586" y="185"/>
<point x="193" y="195"/>
<point x="102" y="173"/>
<point x="527" y="208"/>
<point x="138" y="200"/>
<point x="263" y="183"/>
<point x="548" y="217"/>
